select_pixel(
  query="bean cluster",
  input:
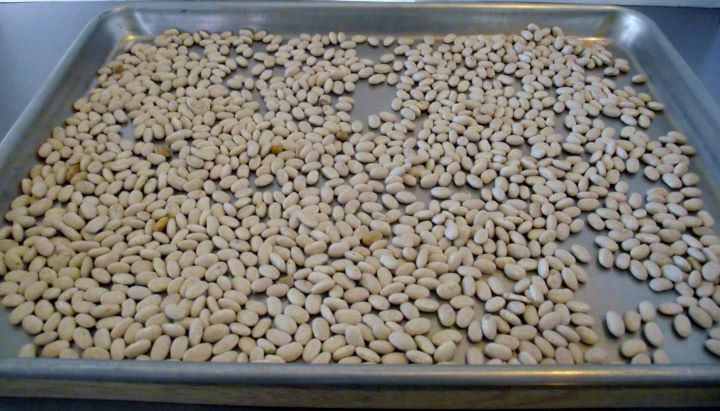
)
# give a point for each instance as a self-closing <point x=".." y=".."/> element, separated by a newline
<point x="213" y="198"/>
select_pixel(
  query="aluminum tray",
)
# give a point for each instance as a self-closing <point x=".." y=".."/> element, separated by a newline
<point x="694" y="379"/>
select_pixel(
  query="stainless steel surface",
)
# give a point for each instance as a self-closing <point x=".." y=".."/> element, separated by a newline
<point x="694" y="380"/>
<point x="34" y="36"/>
<point x="666" y="3"/>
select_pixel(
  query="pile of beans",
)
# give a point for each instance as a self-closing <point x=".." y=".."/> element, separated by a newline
<point x="213" y="198"/>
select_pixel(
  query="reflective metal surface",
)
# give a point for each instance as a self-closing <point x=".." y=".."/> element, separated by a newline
<point x="694" y="380"/>
<point x="35" y="35"/>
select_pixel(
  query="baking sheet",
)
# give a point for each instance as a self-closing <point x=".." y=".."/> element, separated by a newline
<point x="689" y="109"/>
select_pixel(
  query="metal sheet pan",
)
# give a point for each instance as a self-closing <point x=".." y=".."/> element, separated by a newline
<point x="694" y="379"/>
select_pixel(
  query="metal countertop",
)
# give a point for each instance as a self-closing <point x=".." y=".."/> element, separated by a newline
<point x="32" y="42"/>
